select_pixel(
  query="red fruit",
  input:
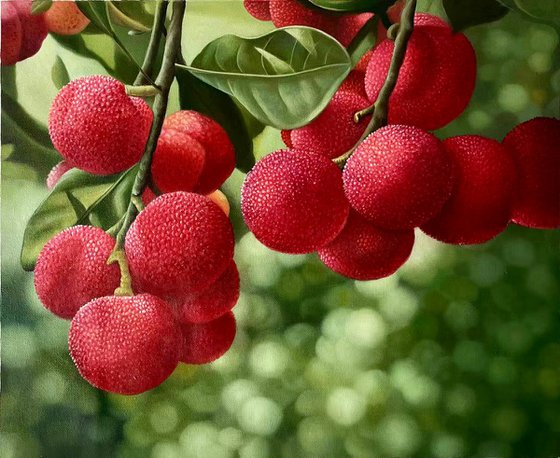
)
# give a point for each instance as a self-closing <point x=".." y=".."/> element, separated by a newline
<point x="535" y="145"/>
<point x="220" y="199"/>
<point x="125" y="345"/>
<point x="354" y="83"/>
<point x="334" y="131"/>
<point x="399" y="177"/>
<point x="363" y="63"/>
<point x="348" y="26"/>
<point x="96" y="126"/>
<point x="56" y="173"/>
<point x="206" y="342"/>
<point x="365" y="252"/>
<point x="293" y="12"/>
<point x="178" y="161"/>
<point x="220" y="154"/>
<point x="429" y="99"/>
<point x="179" y="244"/>
<point x="287" y="137"/>
<point x="72" y="270"/>
<point x="259" y="9"/>
<point x="11" y="34"/>
<point x="65" y="18"/>
<point x="479" y="207"/>
<point x="215" y="301"/>
<point x="293" y="201"/>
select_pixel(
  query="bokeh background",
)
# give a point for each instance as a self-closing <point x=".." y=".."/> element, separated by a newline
<point x="458" y="354"/>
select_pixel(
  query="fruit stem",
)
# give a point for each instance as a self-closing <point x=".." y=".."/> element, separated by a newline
<point x="142" y="91"/>
<point x="163" y="81"/>
<point x="125" y="288"/>
<point x="381" y="107"/>
<point x="153" y="45"/>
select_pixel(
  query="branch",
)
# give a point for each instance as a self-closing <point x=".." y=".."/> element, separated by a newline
<point x="163" y="81"/>
<point x="381" y="107"/>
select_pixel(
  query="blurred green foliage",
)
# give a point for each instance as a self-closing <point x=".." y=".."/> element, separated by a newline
<point x="455" y="355"/>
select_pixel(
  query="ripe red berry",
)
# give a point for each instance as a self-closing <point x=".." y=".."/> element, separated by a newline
<point x="206" y="342"/>
<point x="399" y="177"/>
<point x="213" y="302"/>
<point x="480" y="202"/>
<point x="125" y="345"/>
<point x="72" y="270"/>
<point x="354" y="83"/>
<point x="23" y="33"/>
<point x="96" y="126"/>
<point x="179" y="244"/>
<point x="334" y="131"/>
<point x="287" y="138"/>
<point x="56" y="173"/>
<point x="293" y="201"/>
<point x="348" y="26"/>
<point x="429" y="99"/>
<point x="259" y="9"/>
<point x="65" y="18"/>
<point x="535" y="145"/>
<point x="293" y="12"/>
<point x="178" y="161"/>
<point x="365" y="252"/>
<point x="220" y="154"/>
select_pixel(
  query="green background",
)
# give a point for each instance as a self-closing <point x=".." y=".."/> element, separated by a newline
<point x="458" y="354"/>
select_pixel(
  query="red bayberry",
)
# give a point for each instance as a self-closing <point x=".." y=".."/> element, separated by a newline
<point x="213" y="302"/>
<point x="429" y="100"/>
<point x="365" y="252"/>
<point x="535" y="146"/>
<point x="293" y="12"/>
<point x="348" y="26"/>
<point x="206" y="342"/>
<point x="287" y="138"/>
<point x="399" y="177"/>
<point x="220" y="199"/>
<point x="65" y="18"/>
<point x="479" y="207"/>
<point x="334" y="131"/>
<point x="259" y="9"/>
<point x="72" y="269"/>
<point x="56" y="173"/>
<point x="96" y="126"/>
<point x="219" y="160"/>
<point x="11" y="34"/>
<point x="178" y="161"/>
<point x="293" y="201"/>
<point x="125" y="345"/>
<point x="179" y="244"/>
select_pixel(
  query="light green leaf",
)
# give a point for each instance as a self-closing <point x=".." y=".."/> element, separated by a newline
<point x="78" y="198"/>
<point x="59" y="73"/>
<point x="547" y="11"/>
<point x="284" y="78"/>
<point x="120" y="18"/>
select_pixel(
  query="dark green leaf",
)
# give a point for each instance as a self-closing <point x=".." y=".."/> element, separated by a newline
<point x="284" y="78"/>
<point x="467" y="13"/>
<point x="40" y="6"/>
<point x="354" y="6"/>
<point x="547" y="11"/>
<point x="195" y="94"/>
<point x="364" y="41"/>
<point x="59" y="73"/>
<point x="78" y="198"/>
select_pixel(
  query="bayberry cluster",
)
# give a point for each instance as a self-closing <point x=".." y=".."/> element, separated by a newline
<point x="463" y="190"/>
<point x="178" y="252"/>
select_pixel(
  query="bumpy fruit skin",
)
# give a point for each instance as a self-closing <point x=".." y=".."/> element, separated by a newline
<point x="56" y="173"/>
<point x="127" y="344"/>
<point x="22" y="33"/>
<point x="215" y="301"/>
<point x="293" y="12"/>
<point x="480" y="202"/>
<point x="259" y="9"/>
<point x="348" y="26"/>
<point x="220" y="199"/>
<point x="97" y="127"/>
<point x="206" y="342"/>
<point x="287" y="138"/>
<point x="334" y="131"/>
<point x="434" y="98"/>
<point x="220" y="153"/>
<point x="178" y="161"/>
<point x="11" y="34"/>
<point x="179" y="244"/>
<point x="293" y="201"/>
<point x="399" y="177"/>
<point x="364" y="252"/>
<point x="72" y="270"/>
<point x="535" y="145"/>
<point x="65" y="18"/>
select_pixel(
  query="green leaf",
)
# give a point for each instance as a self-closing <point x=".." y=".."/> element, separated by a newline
<point x="78" y="198"/>
<point x="40" y="6"/>
<point x="364" y="40"/>
<point x="467" y="13"/>
<point x="354" y="6"/>
<point x="120" y="18"/>
<point x="284" y="78"/>
<point x="59" y="73"/>
<point x="195" y="94"/>
<point x="547" y="11"/>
